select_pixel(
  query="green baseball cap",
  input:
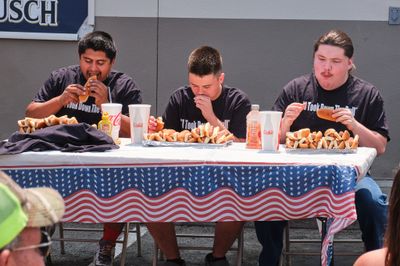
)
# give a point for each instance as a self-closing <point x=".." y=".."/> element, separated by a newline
<point x="20" y="208"/>
<point x="12" y="218"/>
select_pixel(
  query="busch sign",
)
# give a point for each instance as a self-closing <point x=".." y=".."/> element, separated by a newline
<point x="43" y="13"/>
<point x="46" y="19"/>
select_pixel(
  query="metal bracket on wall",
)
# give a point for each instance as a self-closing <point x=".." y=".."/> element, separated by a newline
<point x="394" y="15"/>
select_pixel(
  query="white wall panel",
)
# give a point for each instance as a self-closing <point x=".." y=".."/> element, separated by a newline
<point x="367" y="10"/>
<point x="374" y="10"/>
<point x="126" y="8"/>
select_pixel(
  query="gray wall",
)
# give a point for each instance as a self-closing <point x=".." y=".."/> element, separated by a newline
<point x="260" y="56"/>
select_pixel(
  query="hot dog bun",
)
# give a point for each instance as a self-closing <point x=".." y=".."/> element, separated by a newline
<point x="204" y="133"/>
<point x="29" y="125"/>
<point x="326" y="114"/>
<point x="330" y="139"/>
<point x="83" y="98"/>
<point x="160" y="124"/>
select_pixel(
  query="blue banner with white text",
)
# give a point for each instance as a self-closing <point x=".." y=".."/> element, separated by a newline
<point x="42" y="19"/>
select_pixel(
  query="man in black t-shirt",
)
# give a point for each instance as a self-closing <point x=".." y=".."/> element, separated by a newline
<point x="206" y="99"/>
<point x="358" y="107"/>
<point x="227" y="110"/>
<point x="60" y="93"/>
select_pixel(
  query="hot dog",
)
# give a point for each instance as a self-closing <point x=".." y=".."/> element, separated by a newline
<point x="326" y="114"/>
<point x="29" y="125"/>
<point x="330" y="139"/>
<point x="160" y="124"/>
<point x="83" y="98"/>
<point x="204" y="133"/>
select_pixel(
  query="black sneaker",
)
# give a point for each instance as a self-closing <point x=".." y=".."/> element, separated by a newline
<point x="211" y="261"/>
<point x="173" y="263"/>
<point x="104" y="254"/>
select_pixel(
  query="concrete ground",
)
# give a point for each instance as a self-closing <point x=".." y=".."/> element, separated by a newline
<point x="81" y="254"/>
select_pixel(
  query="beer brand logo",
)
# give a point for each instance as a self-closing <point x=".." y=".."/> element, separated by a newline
<point x="42" y="12"/>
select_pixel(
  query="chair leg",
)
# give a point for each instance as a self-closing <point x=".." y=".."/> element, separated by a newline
<point x="285" y="259"/>
<point x="124" y="244"/>
<point x="139" y="240"/>
<point x="287" y="236"/>
<point x="155" y="254"/>
<point x="240" y="246"/>
<point x="61" y="232"/>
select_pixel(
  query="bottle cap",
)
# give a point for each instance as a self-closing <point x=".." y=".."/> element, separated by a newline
<point x="255" y="107"/>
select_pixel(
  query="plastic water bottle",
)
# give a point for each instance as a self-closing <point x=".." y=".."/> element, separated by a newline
<point x="253" y="132"/>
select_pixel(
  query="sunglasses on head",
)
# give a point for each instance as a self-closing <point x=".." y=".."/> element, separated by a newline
<point x="44" y="246"/>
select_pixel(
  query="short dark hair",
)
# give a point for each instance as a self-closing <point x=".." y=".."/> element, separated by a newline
<point x="98" y="41"/>
<point x="336" y="38"/>
<point x="205" y="60"/>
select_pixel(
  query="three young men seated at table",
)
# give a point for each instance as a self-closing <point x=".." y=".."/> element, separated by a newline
<point x="358" y="107"/>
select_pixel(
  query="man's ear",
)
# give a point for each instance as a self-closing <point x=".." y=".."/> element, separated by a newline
<point x="4" y="257"/>
<point x="351" y="64"/>
<point x="221" y="78"/>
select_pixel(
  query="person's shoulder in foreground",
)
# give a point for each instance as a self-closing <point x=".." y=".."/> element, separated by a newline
<point x="390" y="254"/>
<point x="372" y="258"/>
<point x="23" y="212"/>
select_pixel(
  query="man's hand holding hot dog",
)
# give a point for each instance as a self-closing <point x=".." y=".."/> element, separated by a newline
<point x="99" y="91"/>
<point x="368" y="138"/>
<point x="155" y="124"/>
<point x="71" y="94"/>
<point x="291" y="113"/>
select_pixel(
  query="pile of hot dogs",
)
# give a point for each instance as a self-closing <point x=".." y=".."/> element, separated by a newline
<point x="29" y="125"/>
<point x="330" y="139"/>
<point x="205" y="133"/>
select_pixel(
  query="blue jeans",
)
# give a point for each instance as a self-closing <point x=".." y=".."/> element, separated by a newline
<point x="371" y="206"/>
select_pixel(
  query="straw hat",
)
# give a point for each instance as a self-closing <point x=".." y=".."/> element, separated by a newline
<point x="20" y="208"/>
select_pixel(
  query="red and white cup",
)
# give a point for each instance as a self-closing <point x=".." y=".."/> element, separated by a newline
<point x="270" y="122"/>
<point x="114" y="113"/>
<point x="139" y="118"/>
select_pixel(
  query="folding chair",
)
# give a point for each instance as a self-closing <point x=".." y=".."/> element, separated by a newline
<point x="288" y="251"/>
<point x="124" y="240"/>
<point x="384" y="183"/>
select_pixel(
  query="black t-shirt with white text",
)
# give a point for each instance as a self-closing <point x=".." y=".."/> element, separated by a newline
<point x="231" y="108"/>
<point x="361" y="97"/>
<point x="122" y="89"/>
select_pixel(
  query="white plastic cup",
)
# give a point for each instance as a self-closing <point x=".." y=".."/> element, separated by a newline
<point x="114" y="113"/>
<point x="139" y="118"/>
<point x="270" y="130"/>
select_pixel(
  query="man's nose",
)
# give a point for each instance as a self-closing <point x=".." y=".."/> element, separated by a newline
<point x="328" y="66"/>
<point x="93" y="67"/>
<point x="201" y="91"/>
